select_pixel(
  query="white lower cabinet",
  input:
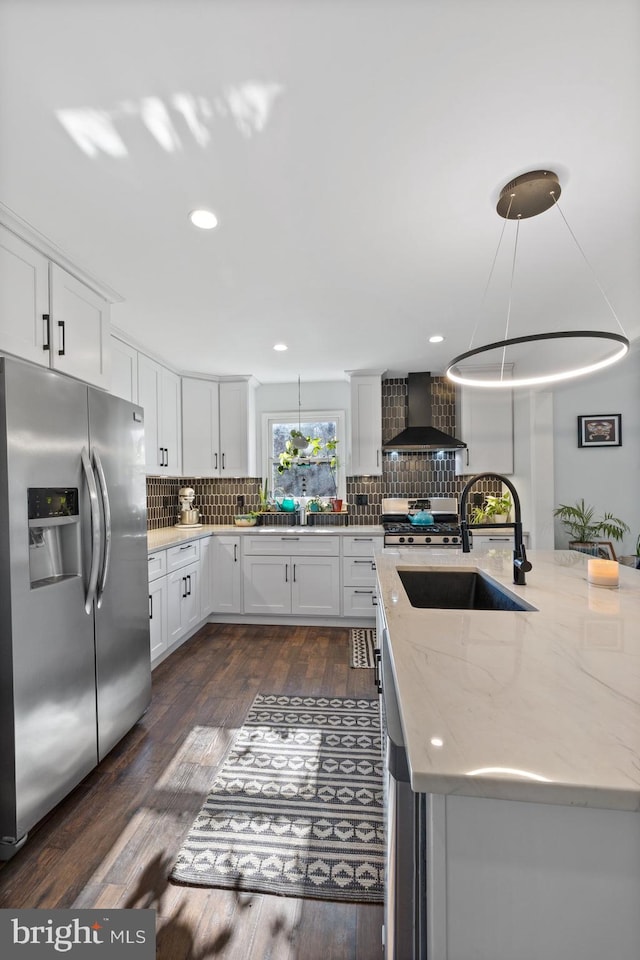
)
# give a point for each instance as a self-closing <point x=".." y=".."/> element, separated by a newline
<point x="157" y="563"/>
<point x="226" y="574"/>
<point x="174" y="594"/>
<point x="158" y="617"/>
<point x="183" y="601"/>
<point x="359" y="593"/>
<point x="285" y="575"/>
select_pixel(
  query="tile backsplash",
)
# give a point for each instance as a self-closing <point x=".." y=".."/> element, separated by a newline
<point x="428" y="474"/>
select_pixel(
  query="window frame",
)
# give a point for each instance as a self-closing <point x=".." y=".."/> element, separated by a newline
<point x="270" y="417"/>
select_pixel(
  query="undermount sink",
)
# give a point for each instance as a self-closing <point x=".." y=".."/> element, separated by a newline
<point x="446" y="589"/>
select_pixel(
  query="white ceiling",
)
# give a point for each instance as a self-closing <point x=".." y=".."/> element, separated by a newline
<point x="353" y="151"/>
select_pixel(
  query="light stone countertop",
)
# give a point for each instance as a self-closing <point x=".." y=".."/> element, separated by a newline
<point x="171" y="536"/>
<point x="545" y="704"/>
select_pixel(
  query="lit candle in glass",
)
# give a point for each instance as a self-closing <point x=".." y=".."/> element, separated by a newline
<point x="603" y="573"/>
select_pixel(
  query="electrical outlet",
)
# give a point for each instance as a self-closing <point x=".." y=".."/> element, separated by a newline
<point x="477" y="499"/>
<point x="240" y="500"/>
<point x="362" y="499"/>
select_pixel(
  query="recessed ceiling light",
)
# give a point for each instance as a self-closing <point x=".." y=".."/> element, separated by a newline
<point x="280" y="346"/>
<point x="205" y="219"/>
<point x="436" y="339"/>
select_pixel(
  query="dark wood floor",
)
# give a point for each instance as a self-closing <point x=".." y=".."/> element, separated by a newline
<point x="114" y="840"/>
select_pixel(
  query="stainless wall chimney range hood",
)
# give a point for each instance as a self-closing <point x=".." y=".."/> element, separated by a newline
<point x="420" y="434"/>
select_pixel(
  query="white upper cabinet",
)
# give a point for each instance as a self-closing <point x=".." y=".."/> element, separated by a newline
<point x="237" y="429"/>
<point x="124" y="370"/>
<point x="159" y="395"/>
<point x="24" y="299"/>
<point x="485" y="423"/>
<point x="79" y="329"/>
<point x="50" y="317"/>
<point x="218" y="428"/>
<point x="366" y="425"/>
<point x="200" y="428"/>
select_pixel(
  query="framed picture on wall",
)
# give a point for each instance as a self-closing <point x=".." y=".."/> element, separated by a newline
<point x="600" y="430"/>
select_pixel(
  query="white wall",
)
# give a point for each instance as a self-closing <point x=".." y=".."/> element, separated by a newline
<point x="607" y="477"/>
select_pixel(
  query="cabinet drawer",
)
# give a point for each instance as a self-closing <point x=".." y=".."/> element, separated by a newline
<point x="182" y="555"/>
<point x="360" y="546"/>
<point x="358" y="571"/>
<point x="294" y="545"/>
<point x="359" y="602"/>
<point x="157" y="564"/>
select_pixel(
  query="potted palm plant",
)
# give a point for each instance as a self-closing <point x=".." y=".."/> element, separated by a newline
<point x="586" y="529"/>
<point x="633" y="559"/>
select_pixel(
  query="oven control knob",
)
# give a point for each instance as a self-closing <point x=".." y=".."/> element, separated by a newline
<point x="427" y="539"/>
<point x="409" y="539"/>
<point x="445" y="539"/>
<point x="401" y="540"/>
<point x="454" y="539"/>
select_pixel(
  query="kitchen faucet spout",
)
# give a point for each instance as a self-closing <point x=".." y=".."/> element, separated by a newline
<point x="521" y="564"/>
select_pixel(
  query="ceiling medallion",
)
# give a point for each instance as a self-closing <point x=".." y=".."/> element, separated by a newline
<point x="523" y="197"/>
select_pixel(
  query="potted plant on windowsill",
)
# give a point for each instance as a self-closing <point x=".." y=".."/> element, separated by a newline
<point x="495" y="509"/>
<point x="585" y="529"/>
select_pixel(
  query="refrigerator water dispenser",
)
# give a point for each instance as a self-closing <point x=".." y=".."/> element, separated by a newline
<point x="54" y="535"/>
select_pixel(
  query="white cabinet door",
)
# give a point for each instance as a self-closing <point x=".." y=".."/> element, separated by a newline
<point x="79" y="329"/>
<point x="183" y="601"/>
<point x="237" y="429"/>
<point x="226" y="575"/>
<point x="267" y="584"/>
<point x="158" y="617"/>
<point x="315" y="586"/>
<point x="486" y="426"/>
<point x="159" y="395"/>
<point x="124" y="370"/>
<point x="149" y="386"/>
<point x="24" y="299"/>
<point x="200" y="428"/>
<point x="366" y="425"/>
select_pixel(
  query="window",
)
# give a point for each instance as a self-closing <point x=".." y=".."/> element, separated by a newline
<point x="311" y="477"/>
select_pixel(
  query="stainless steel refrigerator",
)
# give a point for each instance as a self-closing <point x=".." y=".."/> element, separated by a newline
<point x="75" y="670"/>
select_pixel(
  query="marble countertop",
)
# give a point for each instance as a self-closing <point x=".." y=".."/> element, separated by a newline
<point x="539" y="706"/>
<point x="171" y="536"/>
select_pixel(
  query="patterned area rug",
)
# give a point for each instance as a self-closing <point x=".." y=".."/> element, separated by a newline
<point x="363" y="641"/>
<point x="297" y="806"/>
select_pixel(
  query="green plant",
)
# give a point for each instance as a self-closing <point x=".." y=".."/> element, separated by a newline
<point x="263" y="493"/>
<point x="298" y="447"/>
<point x="638" y="546"/>
<point x="492" y="507"/>
<point x="582" y="525"/>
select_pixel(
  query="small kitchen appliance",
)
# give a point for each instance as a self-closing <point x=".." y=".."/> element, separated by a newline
<point x="421" y="522"/>
<point x="189" y="515"/>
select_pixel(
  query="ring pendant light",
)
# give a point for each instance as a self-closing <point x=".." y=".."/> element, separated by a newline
<point x="527" y="196"/>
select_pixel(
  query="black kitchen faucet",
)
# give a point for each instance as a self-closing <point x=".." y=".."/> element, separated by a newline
<point x="520" y="563"/>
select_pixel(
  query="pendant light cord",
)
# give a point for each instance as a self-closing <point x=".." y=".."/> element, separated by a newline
<point x="586" y="260"/>
<point x="493" y="265"/>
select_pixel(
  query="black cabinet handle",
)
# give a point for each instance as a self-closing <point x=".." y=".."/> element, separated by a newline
<point x="47" y="331"/>
<point x="286" y="573"/>
<point x="61" y="351"/>
<point x="184" y="581"/>
<point x="294" y="573"/>
<point x="150" y="607"/>
<point x="189" y="590"/>
<point x="235" y="553"/>
<point x="216" y="461"/>
<point x="223" y="461"/>
<point x="377" y="679"/>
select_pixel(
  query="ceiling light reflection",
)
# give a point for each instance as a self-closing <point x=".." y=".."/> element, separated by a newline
<point x="508" y="772"/>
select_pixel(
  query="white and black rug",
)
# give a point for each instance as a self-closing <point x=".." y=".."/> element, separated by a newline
<point x="363" y="641"/>
<point x="297" y="806"/>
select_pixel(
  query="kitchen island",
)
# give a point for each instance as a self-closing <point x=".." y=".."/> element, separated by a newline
<point x="522" y="739"/>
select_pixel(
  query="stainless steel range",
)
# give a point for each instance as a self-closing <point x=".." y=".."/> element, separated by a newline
<point x="421" y="522"/>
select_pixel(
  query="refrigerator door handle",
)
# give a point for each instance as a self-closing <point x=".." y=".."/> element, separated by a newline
<point x="106" y="506"/>
<point x="95" y="531"/>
